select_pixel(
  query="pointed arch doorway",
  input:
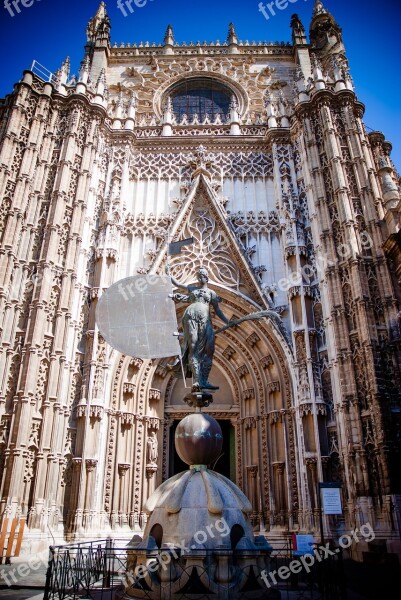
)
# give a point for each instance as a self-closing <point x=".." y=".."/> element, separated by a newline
<point x="223" y="408"/>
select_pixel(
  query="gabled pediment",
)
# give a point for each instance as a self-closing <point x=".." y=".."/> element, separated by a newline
<point x="215" y="246"/>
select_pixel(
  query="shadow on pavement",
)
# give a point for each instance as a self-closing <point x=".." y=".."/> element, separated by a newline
<point x="372" y="581"/>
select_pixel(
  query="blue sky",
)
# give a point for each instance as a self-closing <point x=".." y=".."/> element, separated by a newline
<point x="49" y="30"/>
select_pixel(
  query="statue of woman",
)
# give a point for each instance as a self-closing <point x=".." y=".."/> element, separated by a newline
<point x="152" y="448"/>
<point x="198" y="346"/>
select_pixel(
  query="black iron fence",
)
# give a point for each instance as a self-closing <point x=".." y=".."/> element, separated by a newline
<point x="108" y="569"/>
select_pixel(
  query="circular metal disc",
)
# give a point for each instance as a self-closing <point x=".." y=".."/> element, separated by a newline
<point x="137" y="317"/>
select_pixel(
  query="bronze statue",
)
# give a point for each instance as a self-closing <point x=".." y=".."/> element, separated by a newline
<point x="198" y="333"/>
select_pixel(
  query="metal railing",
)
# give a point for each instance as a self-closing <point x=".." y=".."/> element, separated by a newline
<point x="42" y="72"/>
<point x="104" y="569"/>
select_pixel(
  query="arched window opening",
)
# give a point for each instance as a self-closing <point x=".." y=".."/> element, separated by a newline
<point x="202" y="97"/>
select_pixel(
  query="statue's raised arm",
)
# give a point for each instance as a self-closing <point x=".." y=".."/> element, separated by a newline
<point x="174" y="281"/>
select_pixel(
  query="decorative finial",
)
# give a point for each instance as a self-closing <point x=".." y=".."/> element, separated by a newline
<point x="168" y="105"/>
<point x="169" y="36"/>
<point x="298" y="31"/>
<point x="85" y="62"/>
<point x="84" y="70"/>
<point x="102" y="77"/>
<point x="98" y="28"/>
<point x="101" y="11"/>
<point x="319" y="9"/>
<point x="101" y="84"/>
<point x="325" y="38"/>
<point x="133" y="101"/>
<point x="120" y="100"/>
<point x="232" y="36"/>
<point x="65" y="67"/>
<point x="296" y="24"/>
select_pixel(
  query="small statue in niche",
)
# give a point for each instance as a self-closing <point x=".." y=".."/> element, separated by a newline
<point x="152" y="452"/>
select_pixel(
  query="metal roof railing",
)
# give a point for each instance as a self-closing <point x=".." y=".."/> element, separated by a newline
<point x="42" y="72"/>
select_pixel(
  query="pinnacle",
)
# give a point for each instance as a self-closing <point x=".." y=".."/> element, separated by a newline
<point x="319" y="9"/>
<point x="102" y="76"/>
<point x="101" y="11"/>
<point x="169" y="35"/>
<point x="232" y="36"/>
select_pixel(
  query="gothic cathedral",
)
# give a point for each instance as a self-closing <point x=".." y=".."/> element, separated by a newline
<point x="258" y="151"/>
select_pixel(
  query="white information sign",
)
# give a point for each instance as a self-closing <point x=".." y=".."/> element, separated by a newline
<point x="331" y="500"/>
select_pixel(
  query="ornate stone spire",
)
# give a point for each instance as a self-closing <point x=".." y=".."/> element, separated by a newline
<point x="168" y="41"/>
<point x="298" y="31"/>
<point x="101" y="82"/>
<point x="65" y="67"/>
<point x="319" y="9"/>
<point x="232" y="36"/>
<point x="169" y="36"/>
<point x="324" y="32"/>
<point x="63" y="73"/>
<point x="84" y="70"/>
<point x="101" y="88"/>
<point x="98" y="28"/>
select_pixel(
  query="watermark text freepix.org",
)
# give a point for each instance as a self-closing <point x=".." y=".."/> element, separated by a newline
<point x="164" y="558"/>
<point x="308" y="272"/>
<point x="14" y="6"/>
<point x="220" y="527"/>
<point x="271" y="6"/>
<point x="15" y="575"/>
<point x="125" y="5"/>
<point x="365" y="532"/>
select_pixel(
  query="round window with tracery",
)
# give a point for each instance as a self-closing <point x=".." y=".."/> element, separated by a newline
<point x="202" y="97"/>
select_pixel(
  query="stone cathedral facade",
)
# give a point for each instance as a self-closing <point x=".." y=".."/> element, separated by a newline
<point x="259" y="152"/>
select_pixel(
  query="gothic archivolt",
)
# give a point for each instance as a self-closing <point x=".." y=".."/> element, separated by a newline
<point x="261" y="398"/>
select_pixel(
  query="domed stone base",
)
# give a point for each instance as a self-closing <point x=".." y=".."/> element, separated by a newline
<point x="198" y="541"/>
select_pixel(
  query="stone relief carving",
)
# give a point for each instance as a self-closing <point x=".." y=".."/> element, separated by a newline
<point x="230" y="164"/>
